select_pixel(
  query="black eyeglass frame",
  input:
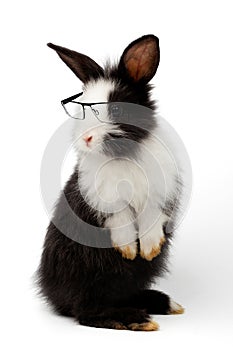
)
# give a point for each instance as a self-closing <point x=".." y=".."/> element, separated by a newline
<point x="83" y="104"/>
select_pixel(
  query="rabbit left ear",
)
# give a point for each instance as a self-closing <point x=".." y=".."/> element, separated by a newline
<point x="140" y="59"/>
<point x="83" y="66"/>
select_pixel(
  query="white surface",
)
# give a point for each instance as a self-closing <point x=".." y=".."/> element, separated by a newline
<point x="194" y="89"/>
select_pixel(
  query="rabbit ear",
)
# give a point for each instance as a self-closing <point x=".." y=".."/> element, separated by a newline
<point x="140" y="59"/>
<point x="83" y="66"/>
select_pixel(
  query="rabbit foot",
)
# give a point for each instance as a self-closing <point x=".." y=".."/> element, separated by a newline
<point x="118" y="325"/>
<point x="175" y="308"/>
<point x="146" y="326"/>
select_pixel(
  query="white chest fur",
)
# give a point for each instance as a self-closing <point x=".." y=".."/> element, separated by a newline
<point x="110" y="184"/>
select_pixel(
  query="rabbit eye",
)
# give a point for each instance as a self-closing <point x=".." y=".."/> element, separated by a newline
<point x="115" y="110"/>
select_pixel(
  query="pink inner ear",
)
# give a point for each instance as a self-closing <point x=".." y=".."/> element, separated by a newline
<point x="140" y="60"/>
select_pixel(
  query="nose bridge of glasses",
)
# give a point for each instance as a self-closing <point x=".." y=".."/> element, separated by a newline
<point x="92" y="109"/>
<point x="87" y="110"/>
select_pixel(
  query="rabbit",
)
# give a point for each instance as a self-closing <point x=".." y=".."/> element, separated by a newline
<point x="101" y="276"/>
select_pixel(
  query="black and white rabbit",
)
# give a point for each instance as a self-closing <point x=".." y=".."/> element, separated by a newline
<point x="103" y="285"/>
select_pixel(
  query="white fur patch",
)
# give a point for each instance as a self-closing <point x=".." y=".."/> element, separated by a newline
<point x="94" y="91"/>
<point x="97" y="91"/>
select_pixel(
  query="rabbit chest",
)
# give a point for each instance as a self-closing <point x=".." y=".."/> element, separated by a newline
<point x="112" y="184"/>
<point x="109" y="185"/>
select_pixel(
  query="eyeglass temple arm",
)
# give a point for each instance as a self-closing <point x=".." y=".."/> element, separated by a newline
<point x="66" y="100"/>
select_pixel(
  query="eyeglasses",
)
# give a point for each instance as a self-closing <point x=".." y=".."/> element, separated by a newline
<point x="76" y="109"/>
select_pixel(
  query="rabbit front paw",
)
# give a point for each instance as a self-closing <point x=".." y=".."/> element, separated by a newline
<point x="128" y="251"/>
<point x="151" y="244"/>
<point x="123" y="233"/>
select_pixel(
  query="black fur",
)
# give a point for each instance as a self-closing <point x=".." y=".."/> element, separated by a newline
<point x="88" y="283"/>
<point x="136" y="120"/>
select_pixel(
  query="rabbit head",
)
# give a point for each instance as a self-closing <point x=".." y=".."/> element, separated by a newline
<point x="115" y="102"/>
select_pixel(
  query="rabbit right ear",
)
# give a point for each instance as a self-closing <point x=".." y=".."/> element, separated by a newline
<point x="140" y="59"/>
<point x="83" y="66"/>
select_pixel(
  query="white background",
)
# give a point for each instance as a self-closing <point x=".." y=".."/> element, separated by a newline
<point x="194" y="90"/>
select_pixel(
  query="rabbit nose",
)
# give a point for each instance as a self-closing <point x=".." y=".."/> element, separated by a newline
<point x="87" y="139"/>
